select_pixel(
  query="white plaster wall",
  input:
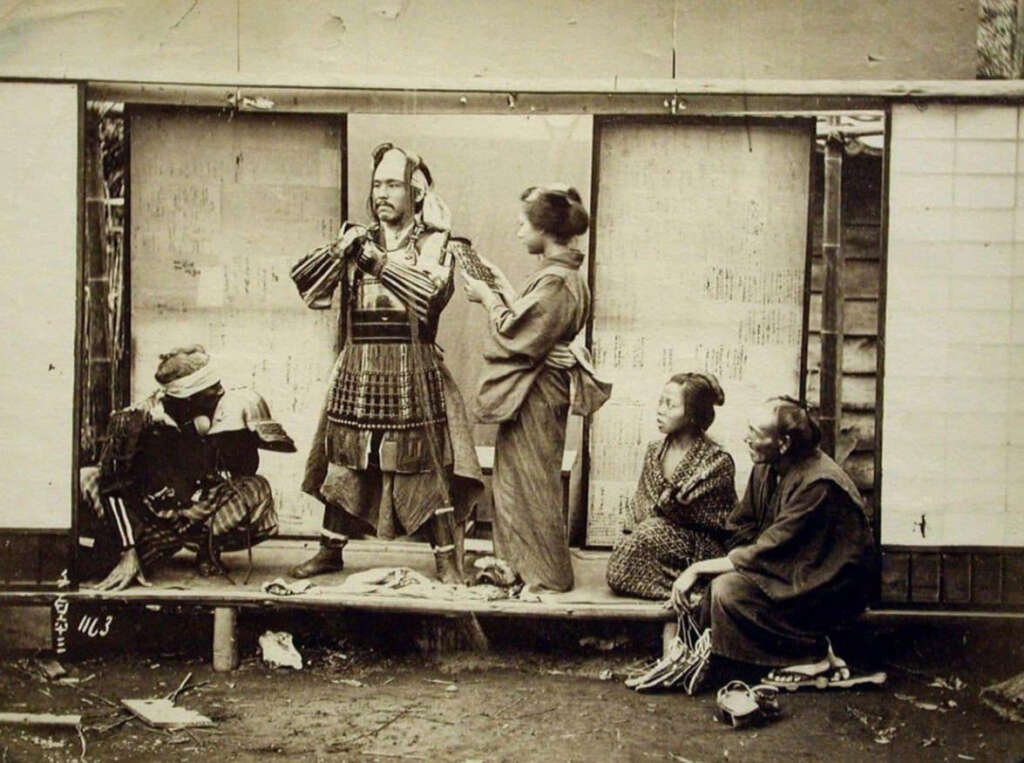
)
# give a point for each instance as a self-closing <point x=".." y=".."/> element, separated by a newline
<point x="953" y="439"/>
<point x="38" y="238"/>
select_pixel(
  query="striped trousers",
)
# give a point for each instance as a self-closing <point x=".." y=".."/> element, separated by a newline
<point x="237" y="514"/>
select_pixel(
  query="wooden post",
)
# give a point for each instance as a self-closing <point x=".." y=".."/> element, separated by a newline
<point x="97" y="367"/>
<point x="444" y="635"/>
<point x="225" y="639"/>
<point x="831" y="405"/>
<point x="669" y="631"/>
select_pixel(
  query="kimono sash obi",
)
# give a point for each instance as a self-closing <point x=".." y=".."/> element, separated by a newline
<point x="588" y="392"/>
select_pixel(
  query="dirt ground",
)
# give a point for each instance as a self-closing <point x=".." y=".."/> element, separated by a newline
<point x="367" y="692"/>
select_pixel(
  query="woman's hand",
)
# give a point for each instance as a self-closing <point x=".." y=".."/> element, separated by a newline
<point x="475" y="289"/>
<point x="504" y="285"/>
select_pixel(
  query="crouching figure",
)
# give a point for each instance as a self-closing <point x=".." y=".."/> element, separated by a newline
<point x="178" y="470"/>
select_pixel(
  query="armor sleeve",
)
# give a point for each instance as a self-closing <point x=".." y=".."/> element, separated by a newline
<point x="427" y="286"/>
<point x="316" y="276"/>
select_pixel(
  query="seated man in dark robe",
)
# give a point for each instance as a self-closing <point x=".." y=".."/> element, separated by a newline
<point x="800" y="560"/>
<point x="177" y="470"/>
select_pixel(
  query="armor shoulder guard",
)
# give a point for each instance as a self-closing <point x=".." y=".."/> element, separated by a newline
<point x="432" y="247"/>
<point x="243" y="408"/>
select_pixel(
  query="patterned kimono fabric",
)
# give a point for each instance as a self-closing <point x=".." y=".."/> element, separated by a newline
<point x="529" y="526"/>
<point x="675" y="534"/>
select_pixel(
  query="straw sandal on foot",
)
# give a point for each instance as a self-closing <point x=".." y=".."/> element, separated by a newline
<point x="840" y="676"/>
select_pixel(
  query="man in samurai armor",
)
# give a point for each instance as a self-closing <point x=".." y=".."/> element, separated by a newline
<point x="393" y="453"/>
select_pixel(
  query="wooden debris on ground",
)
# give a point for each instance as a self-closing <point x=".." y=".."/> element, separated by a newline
<point x="50" y="668"/>
<point x="1006" y="698"/>
<point x="164" y="714"/>
<point x="40" y="719"/>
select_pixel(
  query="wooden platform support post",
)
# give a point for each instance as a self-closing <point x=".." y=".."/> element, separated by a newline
<point x="225" y="639"/>
<point x="668" y="633"/>
<point x="831" y="404"/>
<point x="444" y="635"/>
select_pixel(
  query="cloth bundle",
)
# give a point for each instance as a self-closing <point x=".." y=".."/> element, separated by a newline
<point x="406" y="582"/>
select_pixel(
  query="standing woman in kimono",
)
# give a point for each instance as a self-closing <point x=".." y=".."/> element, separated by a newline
<point x="531" y="366"/>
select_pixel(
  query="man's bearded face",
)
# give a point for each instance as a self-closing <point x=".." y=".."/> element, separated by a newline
<point x="393" y="201"/>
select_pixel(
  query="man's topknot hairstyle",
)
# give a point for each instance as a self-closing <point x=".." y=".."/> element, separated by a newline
<point x="793" y="420"/>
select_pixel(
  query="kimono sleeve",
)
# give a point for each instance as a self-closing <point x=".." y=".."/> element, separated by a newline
<point x="535" y="322"/>
<point x="704" y="503"/>
<point x="742" y="523"/>
<point x="797" y="552"/>
<point x="119" y="494"/>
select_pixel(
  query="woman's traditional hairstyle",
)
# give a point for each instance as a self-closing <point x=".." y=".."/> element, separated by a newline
<point x="701" y="394"/>
<point x="793" y="420"/>
<point x="557" y="211"/>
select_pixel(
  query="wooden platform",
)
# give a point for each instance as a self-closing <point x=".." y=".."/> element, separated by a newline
<point x="177" y="583"/>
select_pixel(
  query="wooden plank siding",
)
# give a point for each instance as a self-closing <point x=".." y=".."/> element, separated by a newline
<point x="861" y="279"/>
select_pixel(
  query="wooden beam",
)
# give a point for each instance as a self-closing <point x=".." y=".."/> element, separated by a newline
<point x="423" y="87"/>
<point x="470" y="100"/>
<point x="628" y="609"/>
<point x="831" y="404"/>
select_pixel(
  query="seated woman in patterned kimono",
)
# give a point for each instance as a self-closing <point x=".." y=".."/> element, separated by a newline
<point x="686" y="491"/>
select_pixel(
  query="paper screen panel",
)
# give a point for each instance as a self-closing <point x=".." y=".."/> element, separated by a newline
<point x="38" y="238"/>
<point x="699" y="266"/>
<point x="221" y="207"/>
<point x="953" y="452"/>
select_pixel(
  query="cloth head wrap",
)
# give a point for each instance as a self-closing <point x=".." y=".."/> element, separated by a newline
<point x="185" y="371"/>
<point x="433" y="211"/>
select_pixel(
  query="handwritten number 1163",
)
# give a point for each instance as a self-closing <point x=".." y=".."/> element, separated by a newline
<point x="91" y="626"/>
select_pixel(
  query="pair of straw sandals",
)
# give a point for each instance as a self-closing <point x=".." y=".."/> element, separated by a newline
<point x="685" y="664"/>
<point x="687" y="659"/>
